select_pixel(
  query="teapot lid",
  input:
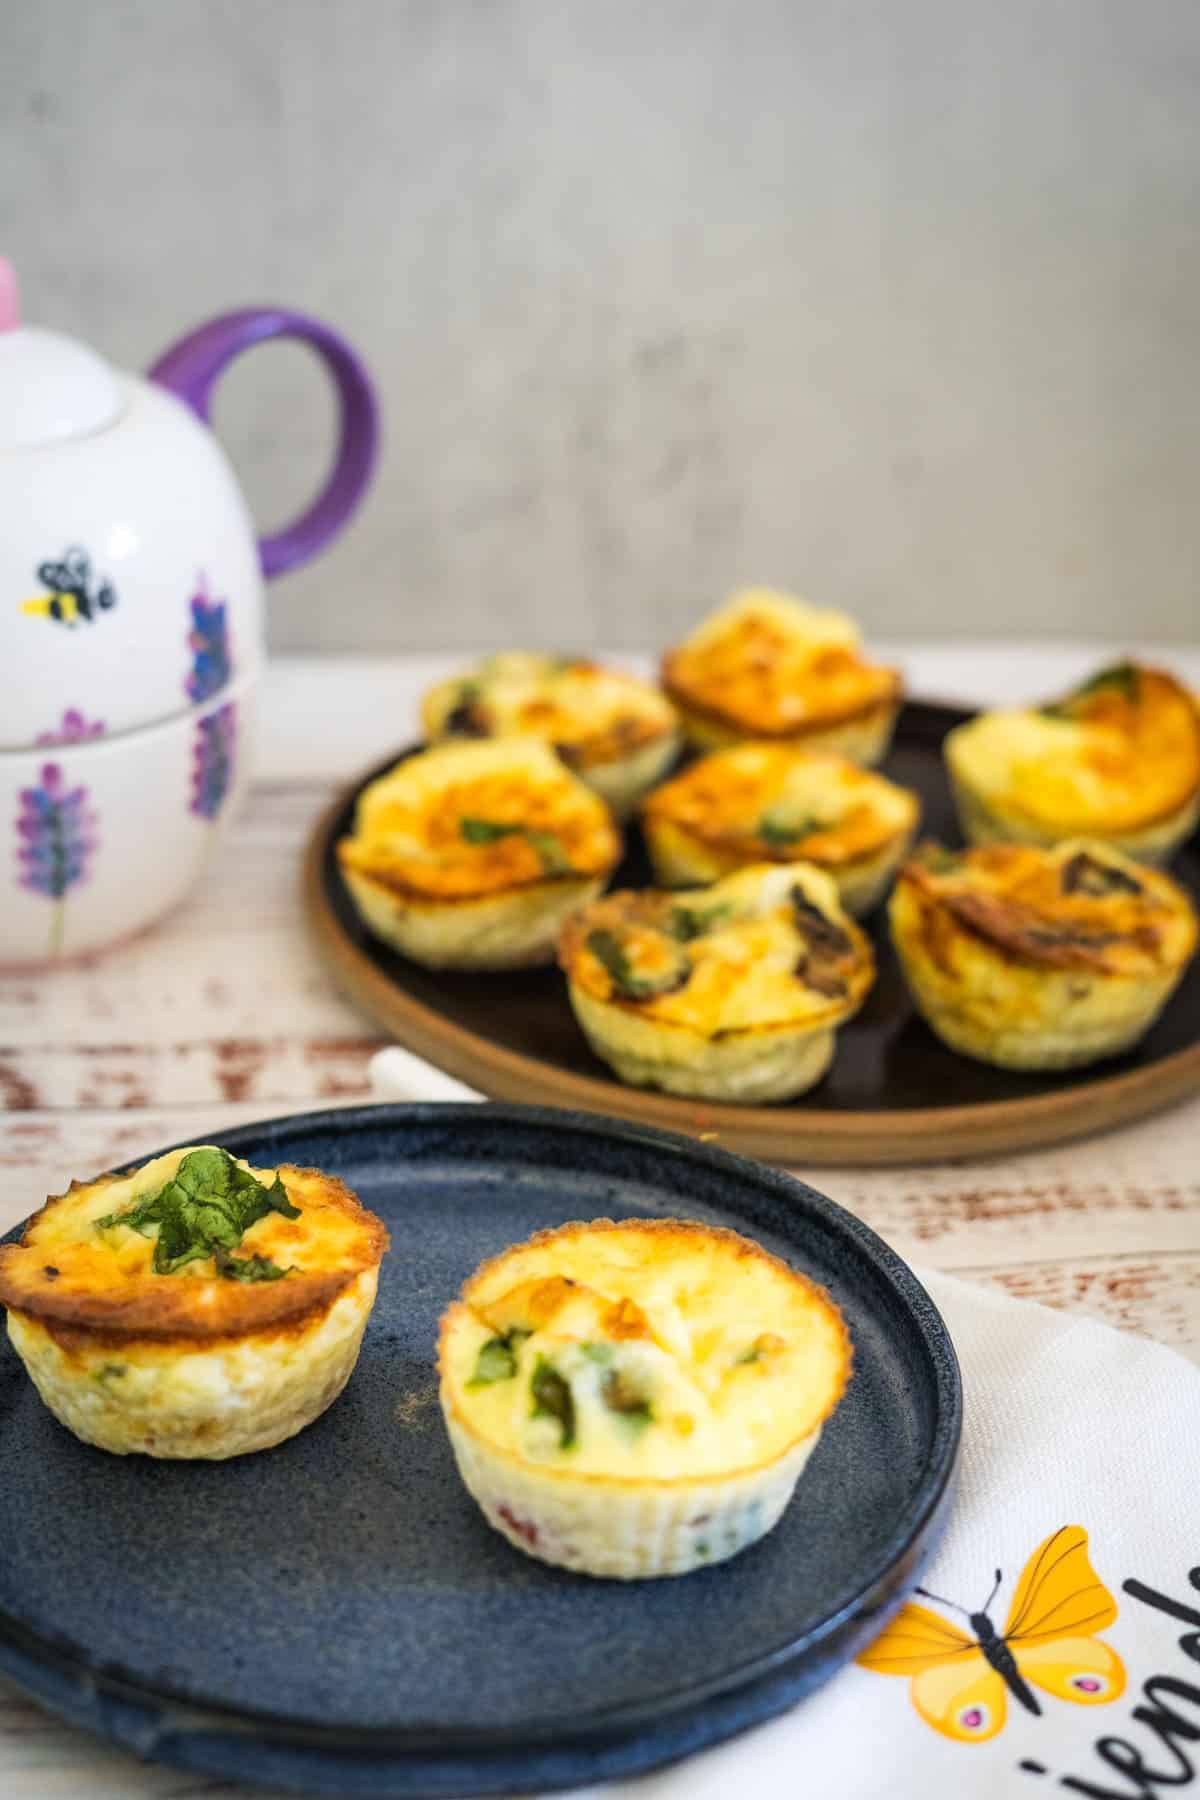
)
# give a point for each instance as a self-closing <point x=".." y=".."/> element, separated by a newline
<point x="52" y="388"/>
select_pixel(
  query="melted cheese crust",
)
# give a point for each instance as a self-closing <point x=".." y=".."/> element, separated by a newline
<point x="767" y="665"/>
<point x="409" y="826"/>
<point x="80" y="1281"/>
<point x="735" y="1357"/>
<point x="1115" y="761"/>
<point x="1042" y="908"/>
<point x="1040" y="959"/>
<point x="590" y="714"/>
<point x="748" y="802"/>
<point x="756" y="968"/>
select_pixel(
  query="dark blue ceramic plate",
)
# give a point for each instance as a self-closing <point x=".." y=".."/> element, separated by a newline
<point x="335" y="1616"/>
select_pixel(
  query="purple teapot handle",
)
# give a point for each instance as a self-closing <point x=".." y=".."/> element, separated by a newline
<point x="191" y="368"/>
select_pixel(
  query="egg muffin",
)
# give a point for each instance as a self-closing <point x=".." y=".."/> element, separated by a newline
<point x="471" y="855"/>
<point x="727" y="992"/>
<point x="768" y="666"/>
<point x="196" y="1308"/>
<point x="1039" y="959"/>
<point x="639" y="1398"/>
<point x="761" y="803"/>
<point x="1117" y="759"/>
<point x="619" y="734"/>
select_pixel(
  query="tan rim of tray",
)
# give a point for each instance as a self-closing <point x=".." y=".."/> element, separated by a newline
<point x="791" y="1135"/>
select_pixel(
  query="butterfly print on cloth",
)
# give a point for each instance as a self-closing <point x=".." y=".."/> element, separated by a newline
<point x="961" y="1682"/>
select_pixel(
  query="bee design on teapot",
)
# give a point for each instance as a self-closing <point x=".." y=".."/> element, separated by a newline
<point x="72" y="596"/>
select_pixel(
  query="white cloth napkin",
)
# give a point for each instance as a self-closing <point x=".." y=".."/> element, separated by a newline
<point x="1068" y="1424"/>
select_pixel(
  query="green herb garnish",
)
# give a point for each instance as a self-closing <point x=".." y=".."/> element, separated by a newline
<point x="1122" y="676"/>
<point x="487" y="831"/>
<point x="246" y="1268"/>
<point x="779" y="830"/>
<point x="208" y="1207"/>
<point x="620" y="1397"/>
<point x="549" y="848"/>
<point x="685" y="924"/>
<point x="552" y="1399"/>
<point x="938" y="860"/>
<point x="497" y="1359"/>
<point x="609" y="952"/>
<point x="555" y="860"/>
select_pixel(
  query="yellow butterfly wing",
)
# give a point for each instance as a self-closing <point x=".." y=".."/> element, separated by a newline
<point x="953" y="1687"/>
<point x="1059" y="1606"/>
<point x="965" y="1700"/>
<point x="1084" y="1670"/>
<point x="915" y="1639"/>
<point x="1059" y="1592"/>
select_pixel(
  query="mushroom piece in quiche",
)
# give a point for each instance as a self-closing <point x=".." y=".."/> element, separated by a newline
<point x="759" y="803"/>
<point x="471" y="855"/>
<point x="727" y="992"/>
<point x="1039" y="959"/>
<point x="769" y="666"/>
<point x="1117" y="759"/>
<point x="618" y="733"/>
<point x="196" y="1308"/>
<point x="638" y="1398"/>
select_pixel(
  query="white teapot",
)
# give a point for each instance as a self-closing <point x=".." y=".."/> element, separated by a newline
<point x="131" y="619"/>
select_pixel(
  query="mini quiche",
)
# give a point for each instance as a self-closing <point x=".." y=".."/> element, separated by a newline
<point x="618" y="733"/>
<point x="1039" y="959"/>
<point x="196" y="1308"/>
<point x="471" y="855"/>
<point x="1118" y="759"/>
<point x="768" y="666"/>
<point x="639" y="1398"/>
<point x="768" y="802"/>
<point x="728" y="992"/>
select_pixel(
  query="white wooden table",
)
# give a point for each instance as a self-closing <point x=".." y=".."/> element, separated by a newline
<point x="223" y="1014"/>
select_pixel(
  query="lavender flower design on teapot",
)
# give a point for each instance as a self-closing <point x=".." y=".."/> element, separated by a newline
<point x="56" y="836"/>
<point x="208" y="641"/>
<point x="213" y="755"/>
<point x="75" y="729"/>
<point x="215" y="744"/>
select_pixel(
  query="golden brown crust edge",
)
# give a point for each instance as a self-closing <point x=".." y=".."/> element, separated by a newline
<point x="168" y="1310"/>
<point x="728" y="841"/>
<point x="1012" y="930"/>
<point x="389" y="880"/>
<point x="684" y="699"/>
<point x="611" y="743"/>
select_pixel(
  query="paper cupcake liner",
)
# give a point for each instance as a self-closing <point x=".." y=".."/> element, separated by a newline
<point x="1060" y="1034"/>
<point x="625" y="1531"/>
<point x="750" y="1066"/>
<point x="502" y="931"/>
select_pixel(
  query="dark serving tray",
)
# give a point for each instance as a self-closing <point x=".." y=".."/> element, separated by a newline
<point x="895" y="1093"/>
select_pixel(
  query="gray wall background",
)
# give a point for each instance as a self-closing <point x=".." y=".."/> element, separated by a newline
<point x="893" y="302"/>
